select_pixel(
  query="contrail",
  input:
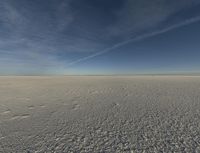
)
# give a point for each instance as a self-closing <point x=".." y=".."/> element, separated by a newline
<point x="141" y="37"/>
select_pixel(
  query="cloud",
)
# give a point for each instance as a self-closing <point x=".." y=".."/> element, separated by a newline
<point x="37" y="33"/>
<point x="83" y="26"/>
<point x="140" y="15"/>
<point x="138" y="38"/>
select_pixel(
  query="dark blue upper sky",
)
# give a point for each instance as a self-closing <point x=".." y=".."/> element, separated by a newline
<point x="99" y="36"/>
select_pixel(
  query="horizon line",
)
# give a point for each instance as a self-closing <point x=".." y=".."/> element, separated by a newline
<point x="138" y="74"/>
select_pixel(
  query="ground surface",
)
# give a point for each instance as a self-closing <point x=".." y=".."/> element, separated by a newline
<point x="99" y="114"/>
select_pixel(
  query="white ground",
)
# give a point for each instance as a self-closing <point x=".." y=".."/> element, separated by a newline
<point x="99" y="114"/>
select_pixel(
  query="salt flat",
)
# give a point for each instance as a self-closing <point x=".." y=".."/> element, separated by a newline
<point x="99" y="114"/>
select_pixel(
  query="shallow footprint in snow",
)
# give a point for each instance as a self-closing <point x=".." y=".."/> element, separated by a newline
<point x="42" y="106"/>
<point x="5" y="112"/>
<point x="31" y="107"/>
<point x="15" y="117"/>
<point x="24" y="116"/>
<point x="75" y="106"/>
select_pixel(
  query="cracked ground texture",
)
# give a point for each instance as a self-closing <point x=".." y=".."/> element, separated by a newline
<point x="100" y="114"/>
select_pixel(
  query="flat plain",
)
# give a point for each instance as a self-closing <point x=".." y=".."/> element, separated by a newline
<point x="99" y="114"/>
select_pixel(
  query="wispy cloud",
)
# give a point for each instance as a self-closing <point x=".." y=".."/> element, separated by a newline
<point x="38" y="33"/>
<point x="138" y="38"/>
<point x="141" y="15"/>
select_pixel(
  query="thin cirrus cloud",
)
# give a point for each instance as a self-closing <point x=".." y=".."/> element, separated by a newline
<point x="49" y="35"/>
<point x="135" y="39"/>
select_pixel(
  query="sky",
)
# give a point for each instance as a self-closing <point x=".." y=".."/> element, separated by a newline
<point x="64" y="37"/>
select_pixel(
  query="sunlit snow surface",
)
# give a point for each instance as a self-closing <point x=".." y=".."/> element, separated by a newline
<point x="99" y="114"/>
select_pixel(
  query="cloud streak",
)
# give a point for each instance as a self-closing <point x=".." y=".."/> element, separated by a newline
<point x="136" y="39"/>
<point x="50" y="34"/>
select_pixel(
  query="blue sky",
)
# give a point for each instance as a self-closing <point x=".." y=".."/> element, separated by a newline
<point x="99" y="36"/>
